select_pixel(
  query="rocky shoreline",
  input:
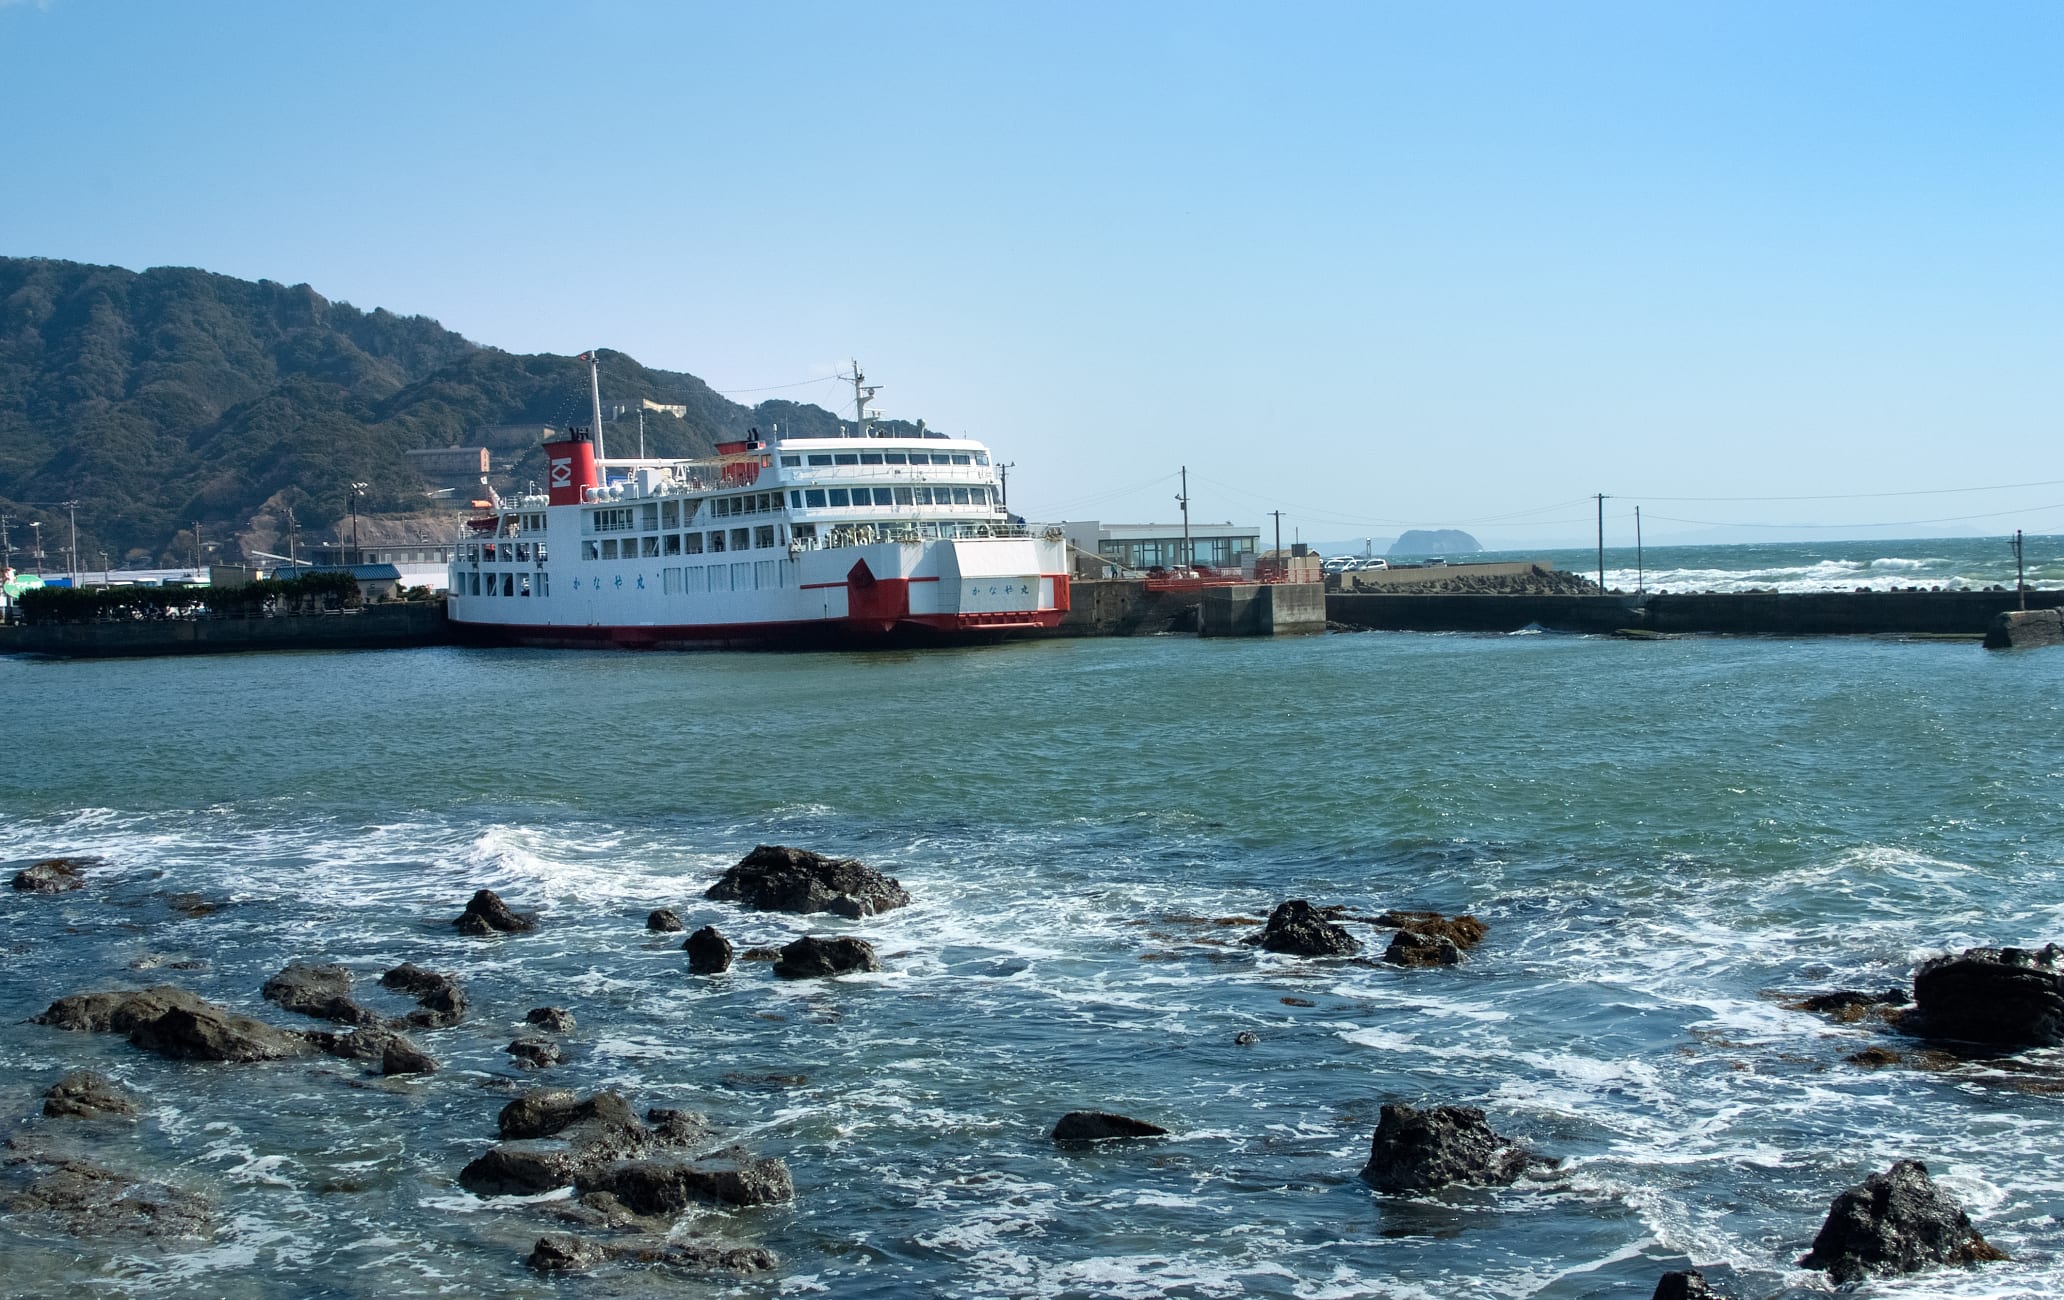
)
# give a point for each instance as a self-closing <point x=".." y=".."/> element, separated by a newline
<point x="627" y="1180"/>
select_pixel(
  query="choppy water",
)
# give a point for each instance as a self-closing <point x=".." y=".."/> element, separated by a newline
<point x="1659" y="835"/>
<point x="1948" y="563"/>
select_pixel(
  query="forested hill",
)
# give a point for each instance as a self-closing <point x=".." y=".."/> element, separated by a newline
<point x="162" y="398"/>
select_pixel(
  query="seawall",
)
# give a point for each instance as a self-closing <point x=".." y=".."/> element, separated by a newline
<point x="375" y="627"/>
<point x="1826" y="613"/>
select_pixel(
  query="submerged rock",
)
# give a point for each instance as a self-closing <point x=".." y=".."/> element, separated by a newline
<point x="545" y="1112"/>
<point x="440" y="1002"/>
<point x="53" y="875"/>
<point x="175" y="1023"/>
<point x="1411" y="948"/>
<point x="709" y="952"/>
<point x="83" y="1094"/>
<point x="815" y="958"/>
<point x="552" y="1139"/>
<point x="1421" y="1150"/>
<point x="569" y="1254"/>
<point x="1298" y="928"/>
<point x="1464" y="931"/>
<point x="323" y="992"/>
<point x="488" y="914"/>
<point x="1684" y="1284"/>
<point x="553" y="1020"/>
<point x="665" y="920"/>
<point x="394" y="1052"/>
<point x="93" y="1201"/>
<point x="2006" y="996"/>
<point x="667" y="1188"/>
<point x="1849" y="1005"/>
<point x="1895" y="1222"/>
<point x="1101" y="1126"/>
<point x="773" y="878"/>
<point x="535" y="1053"/>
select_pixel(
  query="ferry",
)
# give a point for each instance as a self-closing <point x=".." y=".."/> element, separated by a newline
<point x="878" y="537"/>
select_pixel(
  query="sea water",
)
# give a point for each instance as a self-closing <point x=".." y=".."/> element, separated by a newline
<point x="1666" y="839"/>
<point x="1943" y="563"/>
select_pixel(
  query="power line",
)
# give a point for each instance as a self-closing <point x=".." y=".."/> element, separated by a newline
<point x="1864" y="496"/>
<point x="1893" y="523"/>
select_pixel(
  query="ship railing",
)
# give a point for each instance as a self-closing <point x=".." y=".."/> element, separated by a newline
<point x="903" y="530"/>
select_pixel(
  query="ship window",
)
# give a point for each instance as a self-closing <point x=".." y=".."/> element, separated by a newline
<point x="981" y="458"/>
<point x="894" y="457"/>
<point x="941" y="458"/>
<point x="673" y="543"/>
<point x="960" y="496"/>
<point x="741" y="576"/>
<point x="476" y="584"/>
<point x="719" y="577"/>
<point x="741" y="538"/>
<point x="870" y="458"/>
<point x="764" y="574"/>
<point x="609" y="548"/>
<point x="847" y="458"/>
<point x="720" y="507"/>
<point x="614" y="520"/>
<point x="838" y="497"/>
<point x="508" y="584"/>
<point x="814" y="496"/>
<point x="693" y="543"/>
<point x="791" y="462"/>
<point x="648" y="516"/>
<point x="960" y="458"/>
<point x="716" y="539"/>
<point x="820" y="458"/>
<point x="763" y="535"/>
<point x="769" y="501"/>
<point x="544" y="584"/>
<point x="591" y="549"/>
<point x="795" y="500"/>
<point x="649" y="546"/>
<point x="670" y="514"/>
<point x="883" y="497"/>
<point x="903" y="496"/>
<point x="523" y="585"/>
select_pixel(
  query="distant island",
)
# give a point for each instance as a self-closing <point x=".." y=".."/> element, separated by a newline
<point x="1420" y="542"/>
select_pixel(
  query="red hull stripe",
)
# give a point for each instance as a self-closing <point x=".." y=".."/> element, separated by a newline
<point x="813" y="634"/>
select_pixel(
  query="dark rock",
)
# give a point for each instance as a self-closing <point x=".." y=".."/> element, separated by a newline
<point x="489" y="910"/>
<point x="440" y="1002"/>
<point x="190" y="905"/>
<point x="1465" y="931"/>
<point x="1421" y="1150"/>
<point x="85" y="1095"/>
<point x="473" y="926"/>
<point x="568" y="1254"/>
<point x="1411" y="948"/>
<point x="395" y="1053"/>
<point x="766" y="952"/>
<point x="1895" y="1222"/>
<point x="1873" y="1058"/>
<point x="667" y="1188"/>
<point x="93" y="1201"/>
<point x="1101" y="1126"/>
<point x="175" y="1023"/>
<point x="812" y="958"/>
<point x="776" y="879"/>
<point x="535" y="1053"/>
<point x="53" y="875"/>
<point x="545" y="1112"/>
<point x="2004" y="996"/>
<point x="1296" y="927"/>
<point x="1685" y="1284"/>
<point x="398" y="1055"/>
<point x="553" y="1020"/>
<point x="323" y="992"/>
<point x="677" y="1127"/>
<point x="665" y="920"/>
<point x="709" y="952"/>
<point x="521" y="1169"/>
<point x="1246" y="1038"/>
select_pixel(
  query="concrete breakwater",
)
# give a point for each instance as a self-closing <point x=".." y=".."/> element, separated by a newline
<point x="1828" y="613"/>
<point x="373" y="627"/>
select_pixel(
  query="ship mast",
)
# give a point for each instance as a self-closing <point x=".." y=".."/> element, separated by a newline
<point x="595" y="406"/>
<point x="861" y="397"/>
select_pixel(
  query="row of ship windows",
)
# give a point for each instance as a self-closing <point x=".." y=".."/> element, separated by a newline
<point x="888" y="458"/>
<point x="635" y="548"/>
<point x="503" y="584"/>
<point x="655" y="515"/>
<point x="519" y="551"/>
<point x="694" y="579"/>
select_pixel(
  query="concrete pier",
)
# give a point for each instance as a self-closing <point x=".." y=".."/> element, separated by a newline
<point x="1262" y="609"/>
<point x="375" y="627"/>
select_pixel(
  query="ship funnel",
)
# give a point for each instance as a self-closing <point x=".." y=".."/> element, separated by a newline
<point x="570" y="468"/>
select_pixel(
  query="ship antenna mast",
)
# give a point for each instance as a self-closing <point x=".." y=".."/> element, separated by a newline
<point x="862" y="395"/>
<point x="595" y="407"/>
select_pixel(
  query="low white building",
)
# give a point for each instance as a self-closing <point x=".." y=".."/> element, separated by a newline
<point x="1141" y="547"/>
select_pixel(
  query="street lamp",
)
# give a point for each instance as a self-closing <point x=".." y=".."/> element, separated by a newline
<point x="357" y="490"/>
<point x="36" y="544"/>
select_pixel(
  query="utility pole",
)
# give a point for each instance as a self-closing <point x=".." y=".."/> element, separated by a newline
<point x="1279" y="537"/>
<point x="36" y="543"/>
<point x="1003" y="473"/>
<point x="193" y="557"/>
<point x="358" y="556"/>
<point x="1182" y="499"/>
<point x="1601" y="541"/>
<point x="1640" y="570"/>
<point x="2020" y="573"/>
<point x="72" y="572"/>
<point x="6" y="546"/>
<point x="293" y="565"/>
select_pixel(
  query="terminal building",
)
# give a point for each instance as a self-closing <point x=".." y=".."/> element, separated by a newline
<point x="1142" y="547"/>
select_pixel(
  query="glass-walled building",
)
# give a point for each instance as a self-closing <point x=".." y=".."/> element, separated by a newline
<point x="1161" y="546"/>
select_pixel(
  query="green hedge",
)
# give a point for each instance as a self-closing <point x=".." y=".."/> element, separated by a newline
<point x="310" y="593"/>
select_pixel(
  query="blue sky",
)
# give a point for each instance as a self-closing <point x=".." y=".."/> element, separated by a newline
<point x="1378" y="266"/>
